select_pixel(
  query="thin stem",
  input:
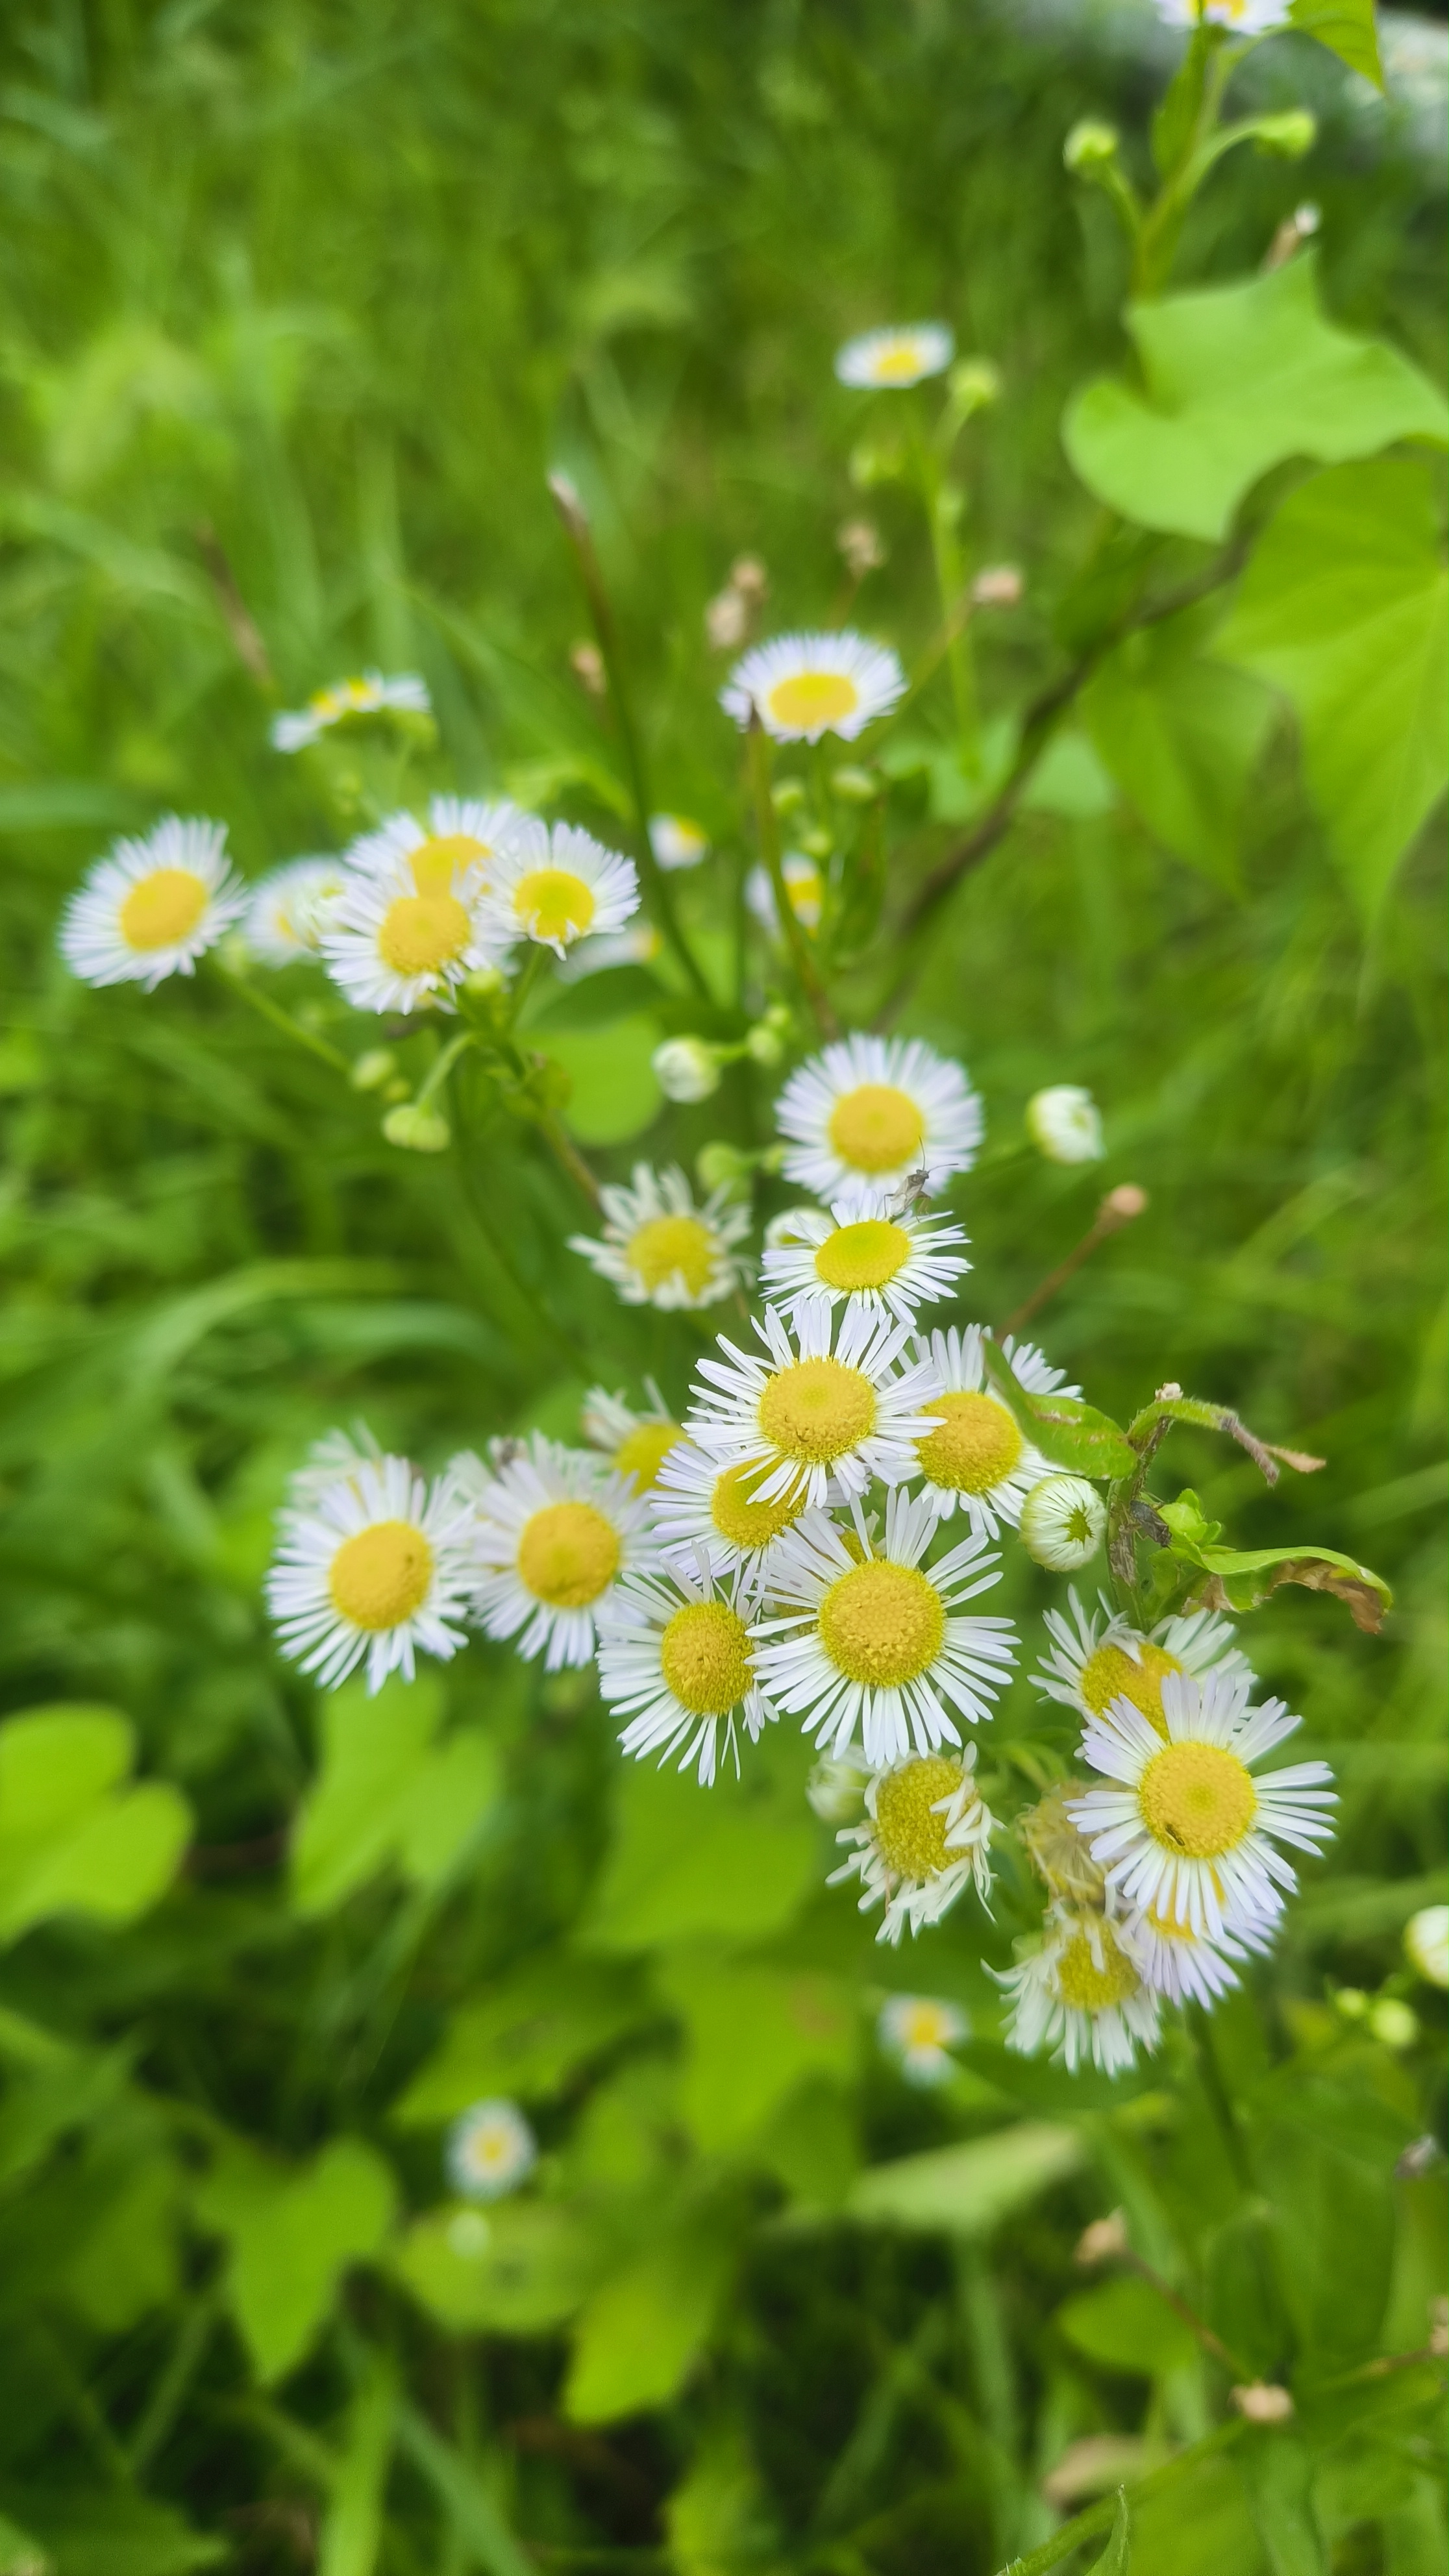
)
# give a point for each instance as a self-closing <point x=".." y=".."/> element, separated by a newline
<point x="443" y="1066"/>
<point x="1109" y="1219"/>
<point x="169" y="2393"/>
<point x="935" y="489"/>
<point x="758" y="754"/>
<point x="562" y="1145"/>
<point x="1218" y="2095"/>
<point x="280" y="1019"/>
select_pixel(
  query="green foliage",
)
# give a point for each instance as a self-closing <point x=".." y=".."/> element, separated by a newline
<point x="73" y="1839"/>
<point x="290" y="2236"/>
<point x="1116" y="2558"/>
<point x="386" y="1792"/>
<point x="1182" y="736"/>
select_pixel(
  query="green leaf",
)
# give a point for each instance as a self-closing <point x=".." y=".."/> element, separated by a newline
<point x="645" y="2326"/>
<point x="1347" y="28"/>
<point x="1181" y="747"/>
<point x="966" y="2190"/>
<point x="1239" y="378"/>
<point x="1116" y="2558"/>
<point x="73" y="1839"/>
<point x="797" y="2025"/>
<point x="737" y="1859"/>
<point x="1277" y="2473"/>
<point x="1068" y="1432"/>
<point x="476" y="2520"/>
<point x="1126" y="2325"/>
<point x="386" y="1794"/>
<point x="1070" y="779"/>
<point x="105" y="2535"/>
<point x="1243" y="1578"/>
<point x="524" y="2038"/>
<point x="615" y="1095"/>
<point x="292" y="2235"/>
<point x="352" y="2532"/>
<point x="1345" y="608"/>
<point x="521" y="2268"/>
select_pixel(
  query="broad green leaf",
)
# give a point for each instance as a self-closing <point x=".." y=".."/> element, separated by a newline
<point x="386" y="1793"/>
<point x="737" y="1859"/>
<point x="966" y="2190"/>
<point x="1241" y="1578"/>
<point x="718" y="2518"/>
<point x="1347" y="28"/>
<point x="1070" y="779"/>
<point x="645" y="2326"/>
<point x="292" y="2235"/>
<point x="1125" y="2324"/>
<point x="1181" y="746"/>
<point x="1068" y="1432"/>
<point x="352" y="2532"/>
<point x="67" y="2095"/>
<point x="615" y="1095"/>
<point x="1324" y="2161"/>
<point x="1277" y="2474"/>
<point x="110" y="2534"/>
<point x="812" y="2145"/>
<point x="1238" y="379"/>
<point x="520" y="2268"/>
<point x="525" y="2037"/>
<point x="125" y="2263"/>
<point x="752" y="2034"/>
<point x="1116" y="2558"/>
<point x="1198" y="2527"/>
<point x="1345" y="608"/>
<point x="73" y="1838"/>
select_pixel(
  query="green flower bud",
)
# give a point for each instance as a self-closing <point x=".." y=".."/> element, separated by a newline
<point x="686" y="1068"/>
<point x="1289" y="135"/>
<point x="1063" y="1523"/>
<point x="373" y="1069"/>
<point x="1090" y="146"/>
<point x="719" y="1166"/>
<point x="419" y="1130"/>
<point x="855" y="786"/>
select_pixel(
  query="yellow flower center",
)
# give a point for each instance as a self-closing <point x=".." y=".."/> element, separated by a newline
<point x="816" y="1410"/>
<point x="165" y="906"/>
<point x="909" y="1835"/>
<point x="924" y="2025"/>
<point x="435" y="863"/>
<point x="1110" y="1674"/>
<point x="663" y="1245"/>
<point x="977" y="1445"/>
<point x="642" y="1452"/>
<point x="1085" y="1986"/>
<point x="876" y="1128"/>
<point x="882" y="1624"/>
<point x="1197" y="1799"/>
<point x="552" y="903"/>
<point x="342" y="695"/>
<point x="811" y="698"/>
<point x="744" y="1522"/>
<point x="380" y="1577"/>
<point x="422" y="933"/>
<point x="568" y="1555"/>
<point x="704" y="1655"/>
<point x="898" y="363"/>
<point x="863" y="1256"/>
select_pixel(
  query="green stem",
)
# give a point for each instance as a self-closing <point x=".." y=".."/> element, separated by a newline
<point x="807" y="973"/>
<point x="280" y="1019"/>
<point x="443" y="1066"/>
<point x="950" y="570"/>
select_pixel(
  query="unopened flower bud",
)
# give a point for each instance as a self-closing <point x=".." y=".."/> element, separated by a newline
<point x="855" y="786"/>
<point x="749" y="577"/>
<point x="686" y="1068"/>
<point x="721" y="1166"/>
<point x="1392" y="2023"/>
<point x="1124" y="1203"/>
<point x="1426" y="1941"/>
<point x="1105" y="2241"/>
<point x="836" y="1788"/>
<point x="587" y="665"/>
<point x="373" y="1069"/>
<point x="862" y="547"/>
<point x="1063" y="1523"/>
<point x="568" y="501"/>
<point x="787" y="795"/>
<point x="1090" y="146"/>
<point x="1065" y="1124"/>
<point x="485" y="983"/>
<point x="1261" y="2403"/>
<point x="972" y="384"/>
<point x="726" y="621"/>
<point x="418" y="1129"/>
<point x="997" y="586"/>
<point x="875" y="461"/>
<point x="1288" y="135"/>
<point x="765" y="1044"/>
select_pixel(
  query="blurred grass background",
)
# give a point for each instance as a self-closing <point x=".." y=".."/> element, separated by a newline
<point x="329" y="284"/>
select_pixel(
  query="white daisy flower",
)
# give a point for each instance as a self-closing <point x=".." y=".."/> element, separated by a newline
<point x="1063" y="1523"/>
<point x="676" y="842"/>
<point x="804" y="892"/>
<point x="639" y="945"/>
<point x="344" y="701"/>
<point x="835" y="1790"/>
<point x="401" y="937"/>
<point x="490" y="2149"/>
<point x="659" y="1249"/>
<point x="1056" y="1850"/>
<point x="697" y="1504"/>
<point x="826" y="1409"/>
<point x="635" y="1444"/>
<point x="905" y="353"/>
<point x="1185" y="1830"/>
<point x="1080" y="1992"/>
<point x="924" y="1838"/>
<point x="1244" y="17"/>
<point x="1097" y="1657"/>
<point x="557" y="885"/>
<point x="919" y="2032"/>
<point x="869" y="1251"/>
<point x="337" y="1455"/>
<point x="1065" y="1124"/>
<point x="878" y="1109"/>
<point x="460" y="836"/>
<point x="677" y="1659"/>
<point x="553" y="1531"/>
<point x="804" y="686"/>
<point x="368" y="1569"/>
<point x="871" y="1649"/>
<point x="975" y="1456"/>
<point x="1185" y="1965"/>
<point x="153" y="906"/>
<point x="1426" y="1943"/>
<point x="790" y="1229"/>
<point x="290" y="909"/>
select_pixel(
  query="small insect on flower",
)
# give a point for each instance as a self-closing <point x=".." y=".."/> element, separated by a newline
<point x="1063" y="1523"/>
<point x="290" y="909"/>
<point x="635" y="1444"/>
<point x="659" y="1249"/>
<point x="826" y="1406"/>
<point x="869" y="1646"/>
<point x="697" y="1504"/>
<point x="1183" y="1829"/>
<point x="557" y="885"/>
<point x="804" y="893"/>
<point x="370" y="1568"/>
<point x="1426" y="1943"/>
<point x="409" y="925"/>
<point x="1065" y="1124"/>
<point x="905" y="353"/>
<point x="803" y="686"/>
<point x="868" y="1252"/>
<point x="924" y="1839"/>
<point x="461" y="835"/>
<point x="1098" y="1657"/>
<point x="1080" y="1992"/>
<point x="919" y="2032"/>
<point x="975" y="1458"/>
<point x="490" y="2149"/>
<point x="348" y="702"/>
<point x="877" y="1109"/>
<point x="153" y="906"/>
<point x="677" y="842"/>
<point x="553" y="1530"/>
<point x="677" y="1659"/>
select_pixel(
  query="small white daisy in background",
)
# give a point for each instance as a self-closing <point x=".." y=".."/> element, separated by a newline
<point x="975" y="1457"/>
<point x="1185" y="1965"/>
<point x="490" y="2149"/>
<point x="369" y="1569"/>
<point x="659" y="1249"/>
<point x="153" y="906"/>
<point x="676" y="842"/>
<point x="1426" y="1943"/>
<point x="878" y="1109"/>
<point x="869" y="1252"/>
<point x="291" y="908"/>
<point x="1080" y="1992"/>
<point x="1244" y="17"/>
<point x="1065" y="1124"/>
<point x="905" y="353"/>
<point x="1063" y="1523"/>
<point x="804" y="893"/>
<point x="336" y="1456"/>
<point x="835" y="1790"/>
<point x="790" y="1228"/>
<point x="1184" y="1830"/>
<point x="677" y="1660"/>
<point x="919" y="2032"/>
<point x="553" y="1530"/>
<point x="803" y="686"/>
<point x="924" y="1838"/>
<point x="1097" y="1657"/>
<point x="396" y="940"/>
<point x="697" y="1504"/>
<point x="461" y="835"/>
<point x="345" y="701"/>
<point x="635" y="1444"/>
<point x="639" y="945"/>
<point x="557" y="885"/>
<point x="827" y="1407"/>
<point x="868" y="1646"/>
